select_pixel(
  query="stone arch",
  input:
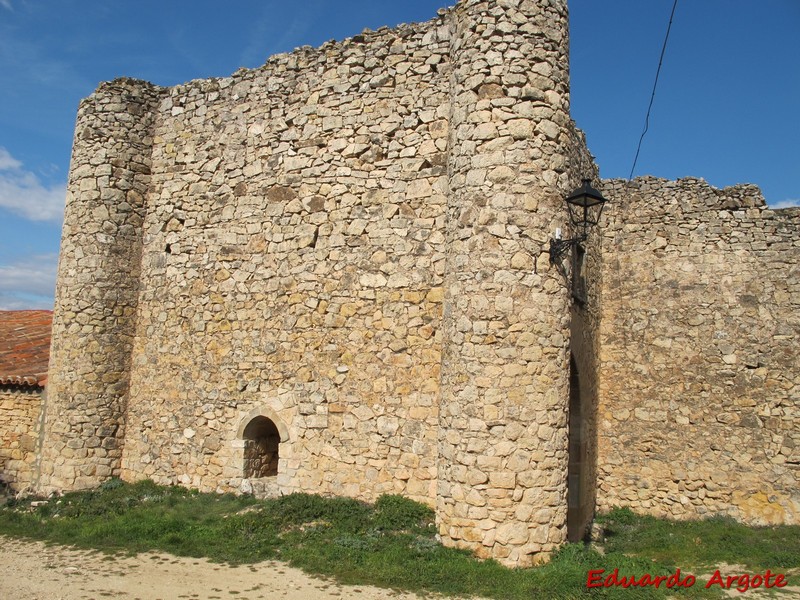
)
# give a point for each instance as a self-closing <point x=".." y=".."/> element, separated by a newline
<point x="262" y="433"/>
<point x="263" y="411"/>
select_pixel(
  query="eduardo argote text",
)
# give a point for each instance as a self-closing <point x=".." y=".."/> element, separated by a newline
<point x="597" y="578"/>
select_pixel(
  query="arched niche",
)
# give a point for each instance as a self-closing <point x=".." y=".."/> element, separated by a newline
<point x="262" y="432"/>
<point x="261" y="448"/>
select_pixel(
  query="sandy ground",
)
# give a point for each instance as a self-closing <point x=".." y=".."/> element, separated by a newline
<point x="34" y="571"/>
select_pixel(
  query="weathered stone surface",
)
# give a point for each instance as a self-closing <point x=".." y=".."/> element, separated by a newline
<point x="503" y="181"/>
<point x="20" y="411"/>
<point x="697" y="372"/>
<point x="94" y="320"/>
<point x="340" y="257"/>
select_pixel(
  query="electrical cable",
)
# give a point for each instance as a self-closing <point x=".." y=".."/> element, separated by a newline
<point x="653" y="95"/>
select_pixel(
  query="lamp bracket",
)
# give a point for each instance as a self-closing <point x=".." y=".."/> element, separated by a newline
<point x="559" y="247"/>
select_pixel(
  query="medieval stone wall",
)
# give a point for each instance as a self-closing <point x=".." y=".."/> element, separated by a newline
<point x="349" y="243"/>
<point x="20" y="409"/>
<point x="335" y="267"/>
<point x="293" y="260"/>
<point x="699" y="387"/>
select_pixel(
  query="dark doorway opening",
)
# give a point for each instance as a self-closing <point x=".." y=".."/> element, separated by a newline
<point x="579" y="498"/>
<point x="261" y="445"/>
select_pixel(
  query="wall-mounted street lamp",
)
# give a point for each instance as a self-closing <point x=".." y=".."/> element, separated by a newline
<point x="585" y="206"/>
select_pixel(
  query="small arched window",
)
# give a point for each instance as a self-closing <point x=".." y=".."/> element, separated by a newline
<point x="261" y="447"/>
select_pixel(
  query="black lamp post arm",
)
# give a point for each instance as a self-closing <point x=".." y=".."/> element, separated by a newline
<point x="559" y="247"/>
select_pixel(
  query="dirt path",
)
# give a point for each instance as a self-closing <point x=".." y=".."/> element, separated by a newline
<point x="33" y="571"/>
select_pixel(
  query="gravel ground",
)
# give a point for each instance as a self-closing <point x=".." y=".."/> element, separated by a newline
<point x="34" y="571"/>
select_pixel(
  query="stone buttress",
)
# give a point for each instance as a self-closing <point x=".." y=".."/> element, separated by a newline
<point x="502" y="438"/>
<point x="98" y="282"/>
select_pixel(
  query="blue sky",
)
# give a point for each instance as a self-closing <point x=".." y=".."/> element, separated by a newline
<point x="727" y="107"/>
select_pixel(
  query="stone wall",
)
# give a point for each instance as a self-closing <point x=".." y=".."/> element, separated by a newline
<point x="698" y="376"/>
<point x="20" y="409"/>
<point x="97" y="287"/>
<point x="347" y="242"/>
<point x="330" y="274"/>
<point x="293" y="260"/>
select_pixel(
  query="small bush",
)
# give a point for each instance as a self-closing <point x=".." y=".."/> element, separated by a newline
<point x="111" y="484"/>
<point x="396" y="513"/>
<point x="296" y="510"/>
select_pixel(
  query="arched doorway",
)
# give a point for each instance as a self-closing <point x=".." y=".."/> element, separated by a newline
<point x="261" y="448"/>
<point x="579" y="504"/>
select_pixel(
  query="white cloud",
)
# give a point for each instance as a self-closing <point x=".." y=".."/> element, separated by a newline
<point x="8" y="162"/>
<point x="28" y="283"/>
<point x="22" y="193"/>
<point x="785" y="203"/>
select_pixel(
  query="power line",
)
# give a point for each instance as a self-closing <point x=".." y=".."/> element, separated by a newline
<point x="653" y="95"/>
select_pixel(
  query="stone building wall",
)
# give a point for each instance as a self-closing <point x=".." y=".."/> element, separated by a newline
<point x="347" y="242"/>
<point x="335" y="267"/>
<point x="699" y="386"/>
<point x="293" y="261"/>
<point x="20" y="409"/>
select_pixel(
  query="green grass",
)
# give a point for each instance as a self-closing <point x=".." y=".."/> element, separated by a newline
<point x="389" y="544"/>
<point x="702" y="543"/>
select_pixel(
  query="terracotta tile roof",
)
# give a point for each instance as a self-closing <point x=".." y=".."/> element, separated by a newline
<point x="24" y="346"/>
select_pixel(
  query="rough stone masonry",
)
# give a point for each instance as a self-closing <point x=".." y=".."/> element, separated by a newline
<point x="329" y="274"/>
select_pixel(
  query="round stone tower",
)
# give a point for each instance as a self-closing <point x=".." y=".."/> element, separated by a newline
<point x="513" y="158"/>
<point x="98" y="282"/>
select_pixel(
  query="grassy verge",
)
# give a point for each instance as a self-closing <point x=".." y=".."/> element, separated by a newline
<point x="703" y="543"/>
<point x="389" y="544"/>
